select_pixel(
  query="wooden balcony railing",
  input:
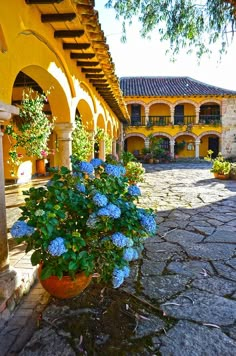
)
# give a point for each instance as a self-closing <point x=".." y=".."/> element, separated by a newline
<point x="210" y="119"/>
<point x="184" y="120"/>
<point x="160" y="120"/>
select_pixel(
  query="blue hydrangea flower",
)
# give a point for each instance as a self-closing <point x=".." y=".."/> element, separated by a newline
<point x="86" y="167"/>
<point x="80" y="187"/>
<point x="103" y="212"/>
<point x="100" y="199"/>
<point x="130" y="254"/>
<point x="20" y="229"/>
<point x="129" y="242"/>
<point x="134" y="190"/>
<point x="78" y="174"/>
<point x="114" y="211"/>
<point x="119" y="239"/>
<point x="92" y="220"/>
<point x="126" y="271"/>
<point x="57" y="247"/>
<point x="49" y="183"/>
<point x="113" y="170"/>
<point x="96" y="162"/>
<point x="117" y="277"/>
<point x="149" y="224"/>
<point x="122" y="170"/>
<point x="141" y="212"/>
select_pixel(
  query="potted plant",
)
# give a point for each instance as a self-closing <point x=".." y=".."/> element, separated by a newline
<point x="31" y="129"/>
<point x="220" y="167"/>
<point x="85" y="220"/>
<point x="134" y="172"/>
<point x="232" y="173"/>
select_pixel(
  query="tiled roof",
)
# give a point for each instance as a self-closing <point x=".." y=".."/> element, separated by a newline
<point x="168" y="86"/>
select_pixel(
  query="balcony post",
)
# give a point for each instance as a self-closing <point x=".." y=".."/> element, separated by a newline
<point x="172" y="149"/>
<point x="197" y="144"/>
<point x="172" y="115"/>
<point x="197" y="110"/>
<point x="146" y="115"/>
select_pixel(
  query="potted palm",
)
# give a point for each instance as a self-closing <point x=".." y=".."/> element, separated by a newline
<point x="84" y="221"/>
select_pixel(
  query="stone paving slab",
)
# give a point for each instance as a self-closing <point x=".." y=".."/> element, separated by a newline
<point x="183" y="291"/>
<point x="202" y="307"/>
<point x="188" y="339"/>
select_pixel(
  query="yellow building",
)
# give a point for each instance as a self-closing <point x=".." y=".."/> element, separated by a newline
<point x="59" y="45"/>
<point x="191" y="117"/>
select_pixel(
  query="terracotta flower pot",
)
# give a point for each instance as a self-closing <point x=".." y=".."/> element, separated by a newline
<point x="221" y="176"/>
<point x="40" y="166"/>
<point x="66" y="287"/>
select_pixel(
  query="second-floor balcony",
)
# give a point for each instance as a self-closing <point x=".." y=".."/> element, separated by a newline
<point x="161" y="120"/>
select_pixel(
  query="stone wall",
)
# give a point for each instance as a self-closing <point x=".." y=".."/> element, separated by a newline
<point x="229" y="128"/>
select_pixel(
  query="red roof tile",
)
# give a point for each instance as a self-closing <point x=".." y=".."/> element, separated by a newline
<point x="169" y="86"/>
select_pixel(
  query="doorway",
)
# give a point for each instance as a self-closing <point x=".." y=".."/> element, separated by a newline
<point x="213" y="144"/>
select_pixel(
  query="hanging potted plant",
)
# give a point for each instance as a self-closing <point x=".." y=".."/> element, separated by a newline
<point x="31" y="129"/>
<point x="82" y="222"/>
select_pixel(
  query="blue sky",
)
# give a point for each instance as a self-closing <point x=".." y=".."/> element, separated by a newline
<point x="139" y="57"/>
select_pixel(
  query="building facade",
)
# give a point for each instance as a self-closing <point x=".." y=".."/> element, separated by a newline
<point x="58" y="45"/>
<point x="189" y="116"/>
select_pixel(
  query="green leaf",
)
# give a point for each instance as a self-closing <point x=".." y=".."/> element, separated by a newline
<point x="73" y="266"/>
<point x="36" y="258"/>
<point x="47" y="271"/>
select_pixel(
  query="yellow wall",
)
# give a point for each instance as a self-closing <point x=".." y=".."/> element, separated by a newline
<point x="135" y="144"/>
<point x="32" y="49"/>
<point x="159" y="109"/>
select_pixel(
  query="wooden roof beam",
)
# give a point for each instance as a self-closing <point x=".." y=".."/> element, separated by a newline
<point x="39" y="2"/>
<point x="87" y="64"/>
<point x="93" y="70"/>
<point x="76" y="46"/>
<point x="68" y="33"/>
<point x="82" y="55"/>
<point x="93" y="75"/>
<point x="58" y="17"/>
<point x="97" y="81"/>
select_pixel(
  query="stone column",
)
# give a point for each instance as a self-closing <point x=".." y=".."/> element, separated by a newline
<point x="146" y="142"/>
<point x="64" y="132"/>
<point x="121" y="140"/>
<point x="92" y="144"/>
<point x="172" y="149"/>
<point x="146" y="114"/>
<point x="6" y="112"/>
<point x="197" y="111"/>
<point x="102" y="150"/>
<point x="114" y="148"/>
<point x="197" y="144"/>
<point x="172" y="115"/>
<point x="9" y="280"/>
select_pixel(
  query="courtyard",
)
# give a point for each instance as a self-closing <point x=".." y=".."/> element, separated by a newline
<point x="180" y="298"/>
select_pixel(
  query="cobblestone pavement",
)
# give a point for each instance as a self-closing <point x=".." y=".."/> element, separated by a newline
<point x="180" y="299"/>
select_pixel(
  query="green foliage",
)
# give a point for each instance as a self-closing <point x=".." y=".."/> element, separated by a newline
<point x="185" y="24"/>
<point x="31" y="130"/>
<point x="135" y="172"/>
<point x="127" y="157"/>
<point x="82" y="145"/>
<point x="66" y="209"/>
<point x="219" y="164"/>
<point x="156" y="146"/>
<point x="179" y="146"/>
